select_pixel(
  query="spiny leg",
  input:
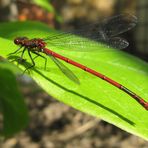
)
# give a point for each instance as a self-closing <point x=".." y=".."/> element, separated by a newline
<point x="42" y="57"/>
<point x="15" y="51"/>
<point x="21" y="57"/>
<point x="33" y="63"/>
<point x="11" y="54"/>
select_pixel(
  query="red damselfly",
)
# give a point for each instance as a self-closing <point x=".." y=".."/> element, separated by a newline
<point x="105" y="32"/>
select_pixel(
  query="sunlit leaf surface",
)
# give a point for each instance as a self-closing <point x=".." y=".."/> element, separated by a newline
<point x="93" y="96"/>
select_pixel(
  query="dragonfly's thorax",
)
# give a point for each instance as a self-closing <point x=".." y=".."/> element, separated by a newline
<point x="35" y="44"/>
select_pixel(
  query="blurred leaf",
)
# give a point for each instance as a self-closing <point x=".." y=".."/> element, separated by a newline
<point x="93" y="96"/>
<point x="12" y="106"/>
<point x="45" y="4"/>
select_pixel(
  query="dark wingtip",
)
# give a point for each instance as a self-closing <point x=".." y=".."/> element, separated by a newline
<point x="131" y="19"/>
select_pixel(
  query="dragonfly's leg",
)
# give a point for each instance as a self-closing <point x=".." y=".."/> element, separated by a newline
<point x="33" y="63"/>
<point x="19" y="60"/>
<point x="15" y="51"/>
<point x="39" y="55"/>
<point x="21" y="57"/>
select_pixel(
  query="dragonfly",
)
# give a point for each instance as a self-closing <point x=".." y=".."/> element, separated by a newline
<point x="105" y="32"/>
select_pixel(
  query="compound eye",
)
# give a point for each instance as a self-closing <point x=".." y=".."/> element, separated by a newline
<point x="16" y="41"/>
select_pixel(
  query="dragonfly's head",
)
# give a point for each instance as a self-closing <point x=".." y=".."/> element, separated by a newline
<point x="20" y="40"/>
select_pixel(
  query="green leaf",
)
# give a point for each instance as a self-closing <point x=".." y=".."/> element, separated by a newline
<point x="93" y="96"/>
<point x="12" y="106"/>
<point x="45" y="4"/>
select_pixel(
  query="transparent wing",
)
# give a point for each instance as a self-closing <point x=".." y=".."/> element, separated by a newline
<point x="83" y="44"/>
<point x="66" y="71"/>
<point x="118" y="24"/>
<point x="101" y="32"/>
